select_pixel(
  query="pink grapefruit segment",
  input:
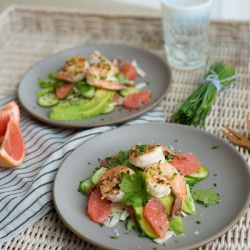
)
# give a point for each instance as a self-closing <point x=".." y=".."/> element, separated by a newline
<point x="98" y="209"/>
<point x="187" y="165"/>
<point x="155" y="214"/>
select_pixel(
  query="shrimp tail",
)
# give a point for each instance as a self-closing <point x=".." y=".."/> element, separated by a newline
<point x="177" y="206"/>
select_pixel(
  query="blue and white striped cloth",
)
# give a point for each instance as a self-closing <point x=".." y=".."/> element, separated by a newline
<point x="26" y="191"/>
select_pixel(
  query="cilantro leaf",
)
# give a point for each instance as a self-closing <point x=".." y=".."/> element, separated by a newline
<point x="207" y="197"/>
<point x="135" y="189"/>
<point x="119" y="159"/>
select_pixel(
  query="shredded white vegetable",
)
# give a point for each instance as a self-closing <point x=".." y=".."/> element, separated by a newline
<point x="141" y="85"/>
<point x="139" y="71"/>
<point x="167" y="237"/>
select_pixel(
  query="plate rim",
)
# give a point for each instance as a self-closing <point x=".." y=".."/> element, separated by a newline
<point x="101" y="123"/>
<point x="224" y="230"/>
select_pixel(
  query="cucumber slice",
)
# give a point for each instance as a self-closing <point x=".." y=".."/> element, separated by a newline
<point x="109" y="108"/>
<point x="85" y="186"/>
<point x="85" y="90"/>
<point x="48" y="100"/>
<point x="199" y="175"/>
<point x="42" y="92"/>
<point x="202" y="173"/>
<point x="97" y="175"/>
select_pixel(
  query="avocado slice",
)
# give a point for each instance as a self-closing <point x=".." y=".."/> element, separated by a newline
<point x="144" y="225"/>
<point x="78" y="110"/>
<point x="167" y="202"/>
<point x="189" y="206"/>
<point x="176" y="225"/>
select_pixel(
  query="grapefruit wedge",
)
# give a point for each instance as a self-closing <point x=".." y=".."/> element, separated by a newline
<point x="12" y="149"/>
<point x="8" y="111"/>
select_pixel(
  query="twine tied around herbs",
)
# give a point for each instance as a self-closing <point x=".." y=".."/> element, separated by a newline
<point x="213" y="78"/>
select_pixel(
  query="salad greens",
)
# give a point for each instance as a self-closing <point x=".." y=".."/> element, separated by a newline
<point x="83" y="89"/>
<point x="133" y="184"/>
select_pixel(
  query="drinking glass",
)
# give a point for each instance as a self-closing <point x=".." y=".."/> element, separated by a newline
<point x="185" y="28"/>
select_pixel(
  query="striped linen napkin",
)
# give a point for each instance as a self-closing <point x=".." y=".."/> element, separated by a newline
<point x="26" y="191"/>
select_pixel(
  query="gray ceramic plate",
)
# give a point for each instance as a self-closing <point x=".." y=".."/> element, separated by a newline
<point x="232" y="179"/>
<point x="157" y="75"/>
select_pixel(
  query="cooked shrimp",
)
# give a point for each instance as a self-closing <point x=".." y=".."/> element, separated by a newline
<point x="109" y="183"/>
<point x="142" y="156"/>
<point x="102" y="73"/>
<point x="168" y="151"/>
<point x="74" y="69"/>
<point x="163" y="178"/>
<point x="179" y="189"/>
<point x="158" y="183"/>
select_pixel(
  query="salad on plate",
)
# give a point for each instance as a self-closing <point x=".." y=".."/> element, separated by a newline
<point x="149" y="187"/>
<point x="84" y="88"/>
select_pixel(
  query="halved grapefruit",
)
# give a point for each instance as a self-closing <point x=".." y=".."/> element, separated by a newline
<point x="12" y="149"/>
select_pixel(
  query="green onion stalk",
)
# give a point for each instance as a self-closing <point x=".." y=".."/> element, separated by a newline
<point x="194" y="110"/>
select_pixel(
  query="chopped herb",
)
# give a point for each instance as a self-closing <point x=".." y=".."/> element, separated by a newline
<point x="89" y="163"/>
<point x="198" y="222"/>
<point x="215" y="174"/>
<point x="141" y="235"/>
<point x="207" y="197"/>
<point x="175" y="140"/>
<point x="154" y="248"/>
<point x="101" y="225"/>
<point x="140" y="149"/>
<point x="114" y="237"/>
<point x="169" y="157"/>
<point x="215" y="185"/>
<point x="214" y="147"/>
<point x="99" y="159"/>
<point x="119" y="159"/>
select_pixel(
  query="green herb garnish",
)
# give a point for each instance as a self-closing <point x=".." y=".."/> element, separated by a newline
<point x="214" y="147"/>
<point x="134" y="188"/>
<point x="169" y="157"/>
<point x="198" y="222"/>
<point x="119" y="159"/>
<point x="114" y="237"/>
<point x="197" y="106"/>
<point x="207" y="197"/>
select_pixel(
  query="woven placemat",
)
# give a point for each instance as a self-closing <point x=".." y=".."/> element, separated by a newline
<point x="28" y="35"/>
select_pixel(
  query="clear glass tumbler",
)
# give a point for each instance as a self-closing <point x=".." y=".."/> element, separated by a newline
<point x="185" y="26"/>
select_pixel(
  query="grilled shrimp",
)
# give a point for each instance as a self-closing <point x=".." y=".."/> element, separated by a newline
<point x="162" y="178"/>
<point x="179" y="189"/>
<point x="101" y="73"/>
<point x="109" y="183"/>
<point x="142" y="156"/>
<point x="74" y="69"/>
